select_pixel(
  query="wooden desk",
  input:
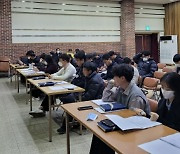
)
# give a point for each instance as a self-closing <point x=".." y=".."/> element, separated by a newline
<point x="13" y="68"/>
<point x="27" y="75"/>
<point x="121" y="142"/>
<point x="51" y="93"/>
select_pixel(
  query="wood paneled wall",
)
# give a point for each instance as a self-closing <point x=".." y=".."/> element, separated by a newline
<point x="172" y="20"/>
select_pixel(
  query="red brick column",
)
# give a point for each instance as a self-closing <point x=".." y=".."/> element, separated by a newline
<point x="127" y="28"/>
<point x="5" y="28"/>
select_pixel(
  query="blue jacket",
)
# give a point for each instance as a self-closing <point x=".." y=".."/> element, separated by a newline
<point x="147" y="68"/>
<point x="171" y="117"/>
<point x="94" y="87"/>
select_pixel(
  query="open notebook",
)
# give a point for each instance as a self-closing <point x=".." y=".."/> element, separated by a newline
<point x="134" y="122"/>
<point x="165" y="145"/>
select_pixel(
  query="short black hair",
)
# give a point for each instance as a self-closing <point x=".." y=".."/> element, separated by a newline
<point x="28" y="53"/>
<point x="146" y="53"/>
<point x="106" y="56"/>
<point x="65" y="57"/>
<point x="49" y="59"/>
<point x="89" y="56"/>
<point x="111" y="53"/>
<point x="80" y="55"/>
<point x="124" y="70"/>
<point x="172" y="80"/>
<point x="43" y="55"/>
<point x="127" y="60"/>
<point x="32" y="54"/>
<point x="176" y="58"/>
<point x="90" y="66"/>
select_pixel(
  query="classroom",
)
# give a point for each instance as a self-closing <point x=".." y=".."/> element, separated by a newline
<point x="89" y="77"/>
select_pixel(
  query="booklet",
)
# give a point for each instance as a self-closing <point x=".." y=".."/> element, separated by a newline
<point x="134" y="122"/>
<point x="165" y="145"/>
<point x="112" y="107"/>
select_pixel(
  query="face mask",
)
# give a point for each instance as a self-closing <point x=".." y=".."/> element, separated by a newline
<point x="60" y="64"/>
<point x="145" y="59"/>
<point x="58" y="51"/>
<point x="167" y="94"/>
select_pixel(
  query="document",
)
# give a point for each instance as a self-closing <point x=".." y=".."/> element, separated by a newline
<point x="40" y="72"/>
<point x="55" y="88"/>
<point x="69" y="86"/>
<point x="61" y="82"/>
<point x="159" y="147"/>
<point x="172" y="139"/>
<point x="100" y="102"/>
<point x="134" y="122"/>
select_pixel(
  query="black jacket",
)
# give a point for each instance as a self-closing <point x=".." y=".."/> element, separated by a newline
<point x="147" y="68"/>
<point x="109" y="74"/>
<point x="79" y="80"/>
<point x="118" y="59"/>
<point x="170" y="118"/>
<point x="94" y="87"/>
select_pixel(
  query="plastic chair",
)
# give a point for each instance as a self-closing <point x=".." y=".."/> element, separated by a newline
<point x="153" y="105"/>
<point x="4" y="66"/>
<point x="150" y="84"/>
<point x="167" y="69"/>
<point x="159" y="75"/>
<point x="161" y="65"/>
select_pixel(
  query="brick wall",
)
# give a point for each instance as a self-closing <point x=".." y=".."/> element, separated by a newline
<point x="128" y="28"/>
<point x="16" y="50"/>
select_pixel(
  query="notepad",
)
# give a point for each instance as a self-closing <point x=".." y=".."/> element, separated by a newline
<point x="61" y="82"/>
<point x="159" y="147"/>
<point x="100" y="102"/>
<point x="69" y="86"/>
<point x="165" y="145"/>
<point x="112" y="107"/>
<point x="55" y="88"/>
<point x="134" y="122"/>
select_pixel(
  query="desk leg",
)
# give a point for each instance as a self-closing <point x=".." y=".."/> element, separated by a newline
<point x="80" y="98"/>
<point x="30" y="92"/>
<point x="26" y="91"/>
<point x="67" y="133"/>
<point x="15" y="78"/>
<point x="10" y="73"/>
<point x="50" y="119"/>
<point x="18" y="81"/>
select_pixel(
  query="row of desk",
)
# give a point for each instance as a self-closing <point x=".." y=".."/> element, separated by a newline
<point x="121" y="142"/>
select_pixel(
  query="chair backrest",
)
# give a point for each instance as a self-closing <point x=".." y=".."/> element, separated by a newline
<point x="4" y="64"/>
<point x="153" y="105"/>
<point x="167" y="69"/>
<point x="159" y="75"/>
<point x="161" y="65"/>
<point x="150" y="83"/>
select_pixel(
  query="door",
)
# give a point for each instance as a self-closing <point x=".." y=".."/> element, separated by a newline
<point x="148" y="42"/>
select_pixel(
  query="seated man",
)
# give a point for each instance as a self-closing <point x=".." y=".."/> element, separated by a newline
<point x="65" y="73"/>
<point x="93" y="86"/>
<point x="145" y="64"/>
<point x="110" y="64"/>
<point x="115" y="57"/>
<point x="135" y="78"/>
<point x="127" y="93"/>
<point x="176" y="60"/>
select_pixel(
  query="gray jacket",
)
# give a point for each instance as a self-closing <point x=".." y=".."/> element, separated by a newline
<point x="132" y="97"/>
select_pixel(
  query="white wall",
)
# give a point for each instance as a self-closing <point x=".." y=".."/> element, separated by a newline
<point x="50" y="21"/>
<point x="65" y="21"/>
